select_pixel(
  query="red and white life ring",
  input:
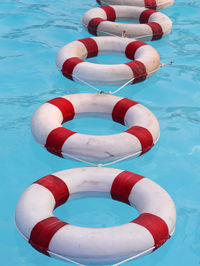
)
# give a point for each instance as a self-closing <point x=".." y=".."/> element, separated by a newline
<point x="53" y="237"/>
<point x="146" y="60"/>
<point x="153" y="24"/>
<point x="152" y="4"/>
<point x="142" y="134"/>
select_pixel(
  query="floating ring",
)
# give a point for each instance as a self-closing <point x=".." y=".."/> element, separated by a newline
<point x="153" y="24"/>
<point x="152" y="4"/>
<point x="142" y="134"/>
<point x="70" y="61"/>
<point x="53" y="237"/>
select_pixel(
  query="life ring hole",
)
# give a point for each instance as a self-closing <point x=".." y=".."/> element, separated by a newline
<point x="96" y="212"/>
<point x="109" y="58"/>
<point x="94" y="126"/>
<point x="127" y="20"/>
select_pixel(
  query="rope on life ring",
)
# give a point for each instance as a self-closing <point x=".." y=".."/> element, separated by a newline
<point x="145" y="61"/>
<point x="142" y="133"/>
<point x="46" y="233"/>
<point x="153" y="25"/>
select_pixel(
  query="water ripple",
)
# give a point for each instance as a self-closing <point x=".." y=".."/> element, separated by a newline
<point x="191" y="114"/>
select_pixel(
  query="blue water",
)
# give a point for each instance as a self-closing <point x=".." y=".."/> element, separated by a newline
<point x="31" y="33"/>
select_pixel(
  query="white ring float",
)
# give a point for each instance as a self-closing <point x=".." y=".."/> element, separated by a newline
<point x="153" y="24"/>
<point x="55" y="238"/>
<point x="70" y="60"/>
<point x="152" y="4"/>
<point x="142" y="134"/>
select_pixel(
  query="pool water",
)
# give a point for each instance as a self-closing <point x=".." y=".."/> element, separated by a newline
<point x="32" y="32"/>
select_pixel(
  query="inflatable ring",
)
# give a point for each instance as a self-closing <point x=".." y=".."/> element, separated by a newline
<point x="152" y="4"/>
<point x="70" y="61"/>
<point x="142" y="134"/>
<point x="153" y="24"/>
<point x="53" y="237"/>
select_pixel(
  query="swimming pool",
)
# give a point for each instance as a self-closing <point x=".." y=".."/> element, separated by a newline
<point x="32" y="32"/>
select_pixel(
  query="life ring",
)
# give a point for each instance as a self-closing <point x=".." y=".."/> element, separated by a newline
<point x="152" y="4"/>
<point x="142" y="134"/>
<point x="153" y="24"/>
<point x="35" y="220"/>
<point x="70" y="61"/>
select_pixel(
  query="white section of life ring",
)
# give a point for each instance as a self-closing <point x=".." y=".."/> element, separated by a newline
<point x="53" y="237"/>
<point x="142" y="134"/>
<point x="153" y="4"/>
<point x="146" y="60"/>
<point x="153" y="24"/>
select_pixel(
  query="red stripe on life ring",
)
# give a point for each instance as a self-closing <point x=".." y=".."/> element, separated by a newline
<point x="120" y="109"/>
<point x="93" y="25"/>
<point x="110" y="12"/>
<point x="57" y="187"/>
<point x="143" y="135"/>
<point x="43" y="232"/>
<point x="69" y="65"/>
<point x="91" y="47"/>
<point x="157" y="30"/>
<point x="145" y="15"/>
<point x="65" y="107"/>
<point x="56" y="139"/>
<point x="139" y="71"/>
<point x="132" y="48"/>
<point x="123" y="184"/>
<point x="150" y="4"/>
<point x="156" y="226"/>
